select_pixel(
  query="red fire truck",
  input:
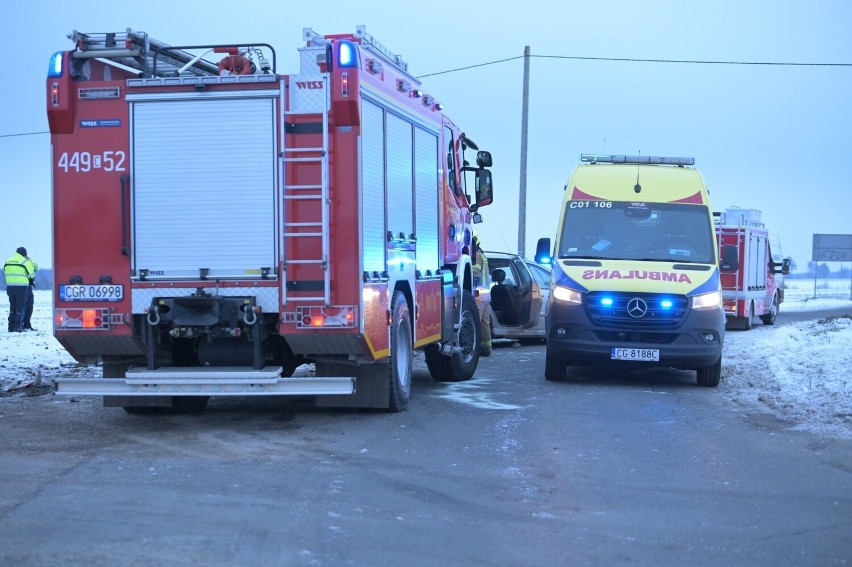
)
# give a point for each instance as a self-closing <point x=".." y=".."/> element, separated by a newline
<point x="217" y="224"/>
<point x="751" y="286"/>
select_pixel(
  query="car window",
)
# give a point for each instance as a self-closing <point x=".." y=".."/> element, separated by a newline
<point x="503" y="264"/>
<point x="540" y="274"/>
<point x="523" y="273"/>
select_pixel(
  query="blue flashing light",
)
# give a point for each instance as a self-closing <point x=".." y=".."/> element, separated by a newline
<point x="547" y="260"/>
<point x="347" y="54"/>
<point x="55" y="68"/>
<point x="666" y="304"/>
<point x="606" y="301"/>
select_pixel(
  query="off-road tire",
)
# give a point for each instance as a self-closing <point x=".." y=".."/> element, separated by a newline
<point x="402" y="354"/>
<point x="769" y="318"/>
<point x="459" y="366"/>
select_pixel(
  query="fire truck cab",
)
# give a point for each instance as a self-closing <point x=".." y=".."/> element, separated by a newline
<point x="217" y="224"/>
<point x="752" y="269"/>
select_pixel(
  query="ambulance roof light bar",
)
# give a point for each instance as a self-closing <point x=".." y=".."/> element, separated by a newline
<point x="654" y="160"/>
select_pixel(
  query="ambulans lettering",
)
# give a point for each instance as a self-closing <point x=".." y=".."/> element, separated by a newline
<point x="636" y="275"/>
<point x="83" y="162"/>
<point x="309" y="84"/>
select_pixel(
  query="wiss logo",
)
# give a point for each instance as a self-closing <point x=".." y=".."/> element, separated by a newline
<point x="309" y="84"/>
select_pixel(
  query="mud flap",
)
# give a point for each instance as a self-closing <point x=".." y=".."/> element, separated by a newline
<point x="372" y="385"/>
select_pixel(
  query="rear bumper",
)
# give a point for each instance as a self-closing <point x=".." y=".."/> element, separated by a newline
<point x="205" y="381"/>
<point x="695" y="343"/>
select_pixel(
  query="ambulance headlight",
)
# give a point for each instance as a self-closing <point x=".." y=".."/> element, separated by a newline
<point x="712" y="300"/>
<point x="567" y="295"/>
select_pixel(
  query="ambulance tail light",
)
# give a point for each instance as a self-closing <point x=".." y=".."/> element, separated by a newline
<point x="97" y="319"/>
<point x="332" y="317"/>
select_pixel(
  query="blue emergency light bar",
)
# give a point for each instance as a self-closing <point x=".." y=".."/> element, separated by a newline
<point x="347" y="54"/>
<point x="55" y="67"/>
<point x="654" y="160"/>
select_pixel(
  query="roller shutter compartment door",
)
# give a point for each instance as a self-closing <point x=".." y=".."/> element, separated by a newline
<point x="204" y="187"/>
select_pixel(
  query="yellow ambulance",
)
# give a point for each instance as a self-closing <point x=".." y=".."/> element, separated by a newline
<point x="635" y="271"/>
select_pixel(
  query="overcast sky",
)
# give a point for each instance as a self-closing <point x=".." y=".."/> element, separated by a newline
<point x="777" y="138"/>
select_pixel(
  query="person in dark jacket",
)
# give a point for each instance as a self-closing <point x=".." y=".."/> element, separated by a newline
<point x="17" y="287"/>
<point x="32" y="268"/>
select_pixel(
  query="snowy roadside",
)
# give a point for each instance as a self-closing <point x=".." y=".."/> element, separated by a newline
<point x="798" y="371"/>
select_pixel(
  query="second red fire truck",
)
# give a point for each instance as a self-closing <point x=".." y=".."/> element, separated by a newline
<point x="752" y="283"/>
<point x="216" y="224"/>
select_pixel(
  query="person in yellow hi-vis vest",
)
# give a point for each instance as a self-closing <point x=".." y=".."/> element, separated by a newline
<point x="17" y="286"/>
<point x="32" y="268"/>
<point x="482" y="282"/>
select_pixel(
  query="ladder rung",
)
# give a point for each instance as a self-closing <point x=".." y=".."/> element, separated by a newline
<point x="320" y="261"/>
<point x="302" y="224"/>
<point x="305" y="298"/>
<point x="302" y="234"/>
<point x="303" y="159"/>
<point x="315" y="186"/>
<point x="302" y="197"/>
<point x="296" y="150"/>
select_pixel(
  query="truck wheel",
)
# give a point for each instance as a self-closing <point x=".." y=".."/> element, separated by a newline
<point x="749" y="317"/>
<point x="402" y="354"/>
<point x="459" y="366"/>
<point x="554" y="368"/>
<point x="769" y="318"/>
<point x="709" y="376"/>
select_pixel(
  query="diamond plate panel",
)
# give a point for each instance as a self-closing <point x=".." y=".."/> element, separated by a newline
<point x="267" y="297"/>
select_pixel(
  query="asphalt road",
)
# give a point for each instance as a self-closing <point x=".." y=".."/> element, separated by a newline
<point x="507" y="469"/>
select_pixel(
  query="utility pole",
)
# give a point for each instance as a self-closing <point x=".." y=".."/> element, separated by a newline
<point x="522" y="193"/>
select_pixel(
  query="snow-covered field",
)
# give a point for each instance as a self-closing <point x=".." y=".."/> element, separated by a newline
<point x="800" y="372"/>
<point x="806" y="290"/>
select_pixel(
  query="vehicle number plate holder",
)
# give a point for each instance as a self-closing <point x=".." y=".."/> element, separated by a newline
<point x="91" y="292"/>
<point x="635" y="354"/>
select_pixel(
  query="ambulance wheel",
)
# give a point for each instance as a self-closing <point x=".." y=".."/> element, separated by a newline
<point x="402" y="354"/>
<point x="709" y="376"/>
<point x="769" y="318"/>
<point x="555" y="369"/>
<point x="460" y="365"/>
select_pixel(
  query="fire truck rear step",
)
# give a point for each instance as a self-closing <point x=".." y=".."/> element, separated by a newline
<point x="206" y="381"/>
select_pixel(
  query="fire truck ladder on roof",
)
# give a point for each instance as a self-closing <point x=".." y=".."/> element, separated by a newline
<point x="315" y="227"/>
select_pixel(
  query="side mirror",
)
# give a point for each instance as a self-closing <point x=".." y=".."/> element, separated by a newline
<point x="785" y="267"/>
<point x="484" y="189"/>
<point x="483" y="159"/>
<point x="730" y="260"/>
<point x="542" y="251"/>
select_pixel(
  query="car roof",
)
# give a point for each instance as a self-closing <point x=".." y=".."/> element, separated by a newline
<point x="509" y="255"/>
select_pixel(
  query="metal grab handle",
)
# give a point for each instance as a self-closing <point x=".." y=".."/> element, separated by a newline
<point x="125" y="184"/>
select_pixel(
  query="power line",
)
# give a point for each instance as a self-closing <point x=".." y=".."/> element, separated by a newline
<point x="582" y="58"/>
<point x="636" y="60"/>
<point x="22" y="134"/>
